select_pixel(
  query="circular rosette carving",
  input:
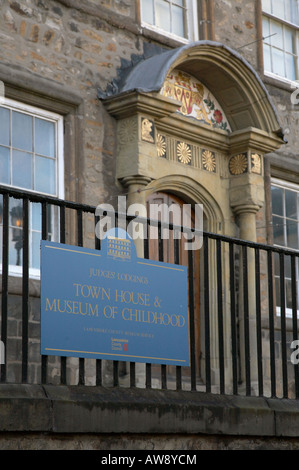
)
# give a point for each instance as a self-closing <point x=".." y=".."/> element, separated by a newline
<point x="184" y="153"/>
<point x="208" y="160"/>
<point x="238" y="164"/>
<point x="127" y="131"/>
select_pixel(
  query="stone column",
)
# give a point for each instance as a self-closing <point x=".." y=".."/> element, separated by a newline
<point x="246" y="198"/>
<point x="136" y="206"/>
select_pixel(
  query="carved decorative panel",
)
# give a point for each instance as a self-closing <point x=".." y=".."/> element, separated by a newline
<point x="238" y="164"/>
<point x="196" y="100"/>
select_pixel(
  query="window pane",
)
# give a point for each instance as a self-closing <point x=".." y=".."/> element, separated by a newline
<point x="178" y="23"/>
<point x="21" y="131"/>
<point x="22" y="169"/>
<point x="291" y="204"/>
<point x="36" y="216"/>
<point x="290" y="67"/>
<point x="289" y="40"/>
<point x="15" y="247"/>
<point x="287" y="267"/>
<point x="148" y="11"/>
<point x="292" y="234"/>
<point x="266" y="4"/>
<point x="35" y="247"/>
<point x="15" y="232"/>
<point x="266" y="29"/>
<point x="278" y="231"/>
<point x="291" y="11"/>
<point x="45" y="179"/>
<point x="277" y="200"/>
<point x="278" y="62"/>
<point x="267" y="58"/>
<point x="44" y="137"/>
<point x="278" y="8"/>
<point x="163" y="15"/>
<point x="4" y="126"/>
<point x="277" y="38"/>
<point x="4" y="165"/>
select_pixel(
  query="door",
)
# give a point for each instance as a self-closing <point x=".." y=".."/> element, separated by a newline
<point x="171" y="250"/>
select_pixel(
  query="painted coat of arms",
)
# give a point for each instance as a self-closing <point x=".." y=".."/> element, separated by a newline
<point x="196" y="99"/>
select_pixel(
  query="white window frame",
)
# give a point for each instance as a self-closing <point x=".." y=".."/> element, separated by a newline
<point x="295" y="28"/>
<point x="293" y="187"/>
<point x="192" y="24"/>
<point x="58" y="120"/>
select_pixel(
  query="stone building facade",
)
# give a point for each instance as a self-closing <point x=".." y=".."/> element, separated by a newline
<point x="106" y="82"/>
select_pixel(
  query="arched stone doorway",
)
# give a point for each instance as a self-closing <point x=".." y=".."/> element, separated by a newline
<point x="209" y="151"/>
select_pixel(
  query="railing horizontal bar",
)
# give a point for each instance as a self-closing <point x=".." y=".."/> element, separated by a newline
<point x="33" y="197"/>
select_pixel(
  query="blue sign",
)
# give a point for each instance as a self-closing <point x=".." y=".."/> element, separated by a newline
<point x="110" y="304"/>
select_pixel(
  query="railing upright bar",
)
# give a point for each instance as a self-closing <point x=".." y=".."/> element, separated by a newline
<point x="25" y="290"/>
<point x="115" y="373"/>
<point x="233" y="318"/>
<point x="207" y="313"/>
<point x="192" y="319"/>
<point x="98" y="373"/>
<point x="161" y="258"/>
<point x="148" y="367"/>
<point x="220" y="316"/>
<point x="44" y="359"/>
<point x="294" y="319"/>
<point x="5" y="263"/>
<point x="258" y="321"/>
<point x="246" y="320"/>
<point x="81" y="380"/>
<point x="132" y="374"/>
<point x="176" y="249"/>
<point x="148" y="375"/>
<point x="271" y="323"/>
<point x="62" y="240"/>
<point x="97" y="245"/>
<point x="283" y="326"/>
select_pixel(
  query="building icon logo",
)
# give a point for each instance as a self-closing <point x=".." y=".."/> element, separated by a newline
<point x="119" y="248"/>
<point x="118" y="245"/>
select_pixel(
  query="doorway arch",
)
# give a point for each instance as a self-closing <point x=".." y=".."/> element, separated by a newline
<point x="231" y="187"/>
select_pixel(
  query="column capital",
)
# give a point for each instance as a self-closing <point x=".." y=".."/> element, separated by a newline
<point x="139" y="180"/>
<point x="246" y="209"/>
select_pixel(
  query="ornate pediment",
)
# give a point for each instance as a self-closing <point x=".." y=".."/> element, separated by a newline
<point x="196" y="100"/>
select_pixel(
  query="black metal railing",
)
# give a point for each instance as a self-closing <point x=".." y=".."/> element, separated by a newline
<point x="243" y="307"/>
